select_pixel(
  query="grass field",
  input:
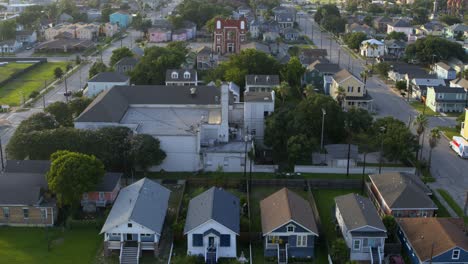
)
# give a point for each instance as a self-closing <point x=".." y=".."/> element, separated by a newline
<point x="11" y="68"/>
<point x="448" y="198"/>
<point x="442" y="211"/>
<point x="418" y="106"/>
<point x="29" y="245"/>
<point x="450" y="132"/>
<point x="15" y="91"/>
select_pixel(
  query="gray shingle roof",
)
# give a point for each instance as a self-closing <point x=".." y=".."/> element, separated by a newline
<point x="112" y="104"/>
<point x="358" y="211"/>
<point x="127" y="61"/>
<point x="258" y="97"/>
<point x="214" y="204"/>
<point x="27" y="166"/>
<point x="448" y="89"/>
<point x="401" y="23"/>
<point x="109" y="181"/>
<point x="324" y="67"/>
<point x="262" y="80"/>
<point x="144" y="202"/>
<point x="109" y="77"/>
<point x="180" y="74"/>
<point x="21" y="188"/>
<point x="402" y="190"/>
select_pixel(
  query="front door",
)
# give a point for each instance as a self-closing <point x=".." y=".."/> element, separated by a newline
<point x="210" y="242"/>
<point x="129" y="237"/>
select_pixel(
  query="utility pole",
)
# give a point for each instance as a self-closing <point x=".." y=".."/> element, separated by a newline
<point x="339" y="56"/>
<point x="66" y="88"/>
<point x="1" y="154"/>
<point x="331" y="58"/>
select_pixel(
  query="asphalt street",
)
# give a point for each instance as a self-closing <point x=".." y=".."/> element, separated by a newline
<point x="450" y="171"/>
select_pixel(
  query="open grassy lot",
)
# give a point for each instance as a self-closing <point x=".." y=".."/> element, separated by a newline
<point x="29" y="245"/>
<point x="450" y="131"/>
<point x="13" y="92"/>
<point x="11" y="68"/>
<point x="418" y="106"/>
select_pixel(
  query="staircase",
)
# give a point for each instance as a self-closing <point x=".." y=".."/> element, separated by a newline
<point x="211" y="258"/>
<point x="129" y="255"/>
<point x="375" y="256"/>
<point x="282" y="258"/>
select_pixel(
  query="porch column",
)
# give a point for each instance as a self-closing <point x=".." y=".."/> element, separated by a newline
<point x="121" y="237"/>
<point x="139" y="237"/>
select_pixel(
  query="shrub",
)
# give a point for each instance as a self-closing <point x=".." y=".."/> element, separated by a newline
<point x="33" y="94"/>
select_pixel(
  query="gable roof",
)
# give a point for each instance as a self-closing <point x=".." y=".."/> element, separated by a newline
<point x="358" y="212"/>
<point x="144" y="202"/>
<point x="372" y="42"/>
<point x="22" y="188"/>
<point x="260" y="79"/>
<point x="402" y="190"/>
<point x="460" y="82"/>
<point x="343" y="75"/>
<point x="283" y="206"/>
<point x="438" y="235"/>
<point x="131" y="61"/>
<point x="109" y="181"/>
<point x="401" y="23"/>
<point x="112" y="104"/>
<point x="324" y="67"/>
<point x="447" y="89"/>
<point x="27" y="166"/>
<point x="214" y="204"/>
<point x="444" y="66"/>
<point x="109" y="77"/>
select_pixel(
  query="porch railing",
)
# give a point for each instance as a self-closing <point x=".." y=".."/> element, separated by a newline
<point x="380" y="251"/>
<point x="121" y="251"/>
<point x="138" y="253"/>
<point x="286" y="253"/>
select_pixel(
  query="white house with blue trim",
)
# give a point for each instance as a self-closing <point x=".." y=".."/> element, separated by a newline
<point x="361" y="227"/>
<point x="288" y="226"/>
<point x="212" y="225"/>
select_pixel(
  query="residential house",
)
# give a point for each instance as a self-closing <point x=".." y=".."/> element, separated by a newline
<point x="228" y="35"/>
<point x="261" y="10"/>
<point x="103" y="194"/>
<point x="93" y="14"/>
<point x="459" y="82"/>
<point x="270" y="36"/>
<point x="138" y="51"/>
<point x="179" y="35"/>
<point x="24" y="196"/>
<point x="191" y="29"/>
<point x="10" y="46"/>
<point x="419" y="85"/>
<point x="457" y="64"/>
<point x="64" y="17"/>
<point x="212" y="225"/>
<point x="380" y="23"/>
<point x="308" y="56"/>
<point x="285" y="20"/>
<point x="395" y="48"/>
<point x="73" y="31"/>
<point x="401" y="195"/>
<point x="456" y="30"/>
<point x="89" y="32"/>
<point x="257" y="107"/>
<point x="355" y="27"/>
<point x="401" y="71"/>
<point x="361" y="227"/>
<point x="434" y="240"/>
<point x="121" y="18"/>
<point x="464" y="126"/>
<point x="446" y="99"/>
<point x="65" y="45"/>
<point x="444" y="71"/>
<point x="261" y="83"/>
<point x="205" y="59"/>
<point x="318" y="69"/>
<point x="125" y="65"/>
<point x="355" y="91"/>
<point x="181" y="77"/>
<point x="400" y="25"/>
<point x="431" y="28"/>
<point x="288" y="226"/>
<point x="291" y="34"/>
<point x="255" y="28"/>
<point x="26" y="37"/>
<point x="104" y="81"/>
<point x="135" y="222"/>
<point x="109" y="29"/>
<point x="191" y="122"/>
<point x="372" y="48"/>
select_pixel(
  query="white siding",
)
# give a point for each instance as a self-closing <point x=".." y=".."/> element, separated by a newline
<point x="181" y="153"/>
<point x="135" y="229"/>
<point x="228" y="162"/>
<point x="223" y="252"/>
<point x="254" y="119"/>
<point x="94" y="88"/>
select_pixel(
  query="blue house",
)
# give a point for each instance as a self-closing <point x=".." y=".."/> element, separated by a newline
<point x="434" y="240"/>
<point x="121" y="18"/>
<point x="288" y="226"/>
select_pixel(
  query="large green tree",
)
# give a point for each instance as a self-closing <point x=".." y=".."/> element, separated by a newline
<point x="434" y="48"/>
<point x="61" y="112"/>
<point x="354" y="40"/>
<point x="146" y="152"/>
<point x="200" y="11"/>
<point x="7" y="30"/>
<point x="396" y="35"/>
<point x="96" y="68"/>
<point x="71" y="174"/>
<point x="293" y="72"/>
<point x="119" y="54"/>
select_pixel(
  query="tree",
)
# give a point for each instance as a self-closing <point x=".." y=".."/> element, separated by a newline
<point x="200" y="11"/>
<point x="400" y="85"/>
<point x="334" y="24"/>
<point x="433" y="142"/>
<point x="78" y="105"/>
<point x="61" y="112"/>
<point x="146" y="151"/>
<point x="37" y="122"/>
<point x="106" y="12"/>
<point x="119" y="54"/>
<point x="382" y="69"/>
<point x="339" y="251"/>
<point x="58" y="73"/>
<point x="354" y="40"/>
<point x="368" y="20"/>
<point x="375" y="9"/>
<point x="424" y="49"/>
<point x="396" y="35"/>
<point x="300" y="148"/>
<point x="78" y="60"/>
<point x="420" y="15"/>
<point x="293" y="72"/>
<point x="71" y="174"/>
<point x="420" y="123"/>
<point x="7" y="30"/>
<point x="360" y="120"/>
<point x="96" y="68"/>
<point x="450" y="19"/>
<point x="340" y="94"/>
<point x="391" y="226"/>
<point x="326" y="10"/>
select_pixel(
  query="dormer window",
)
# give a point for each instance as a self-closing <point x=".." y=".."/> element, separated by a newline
<point x="268" y="78"/>
<point x="186" y="75"/>
<point x="175" y="75"/>
<point x="129" y="225"/>
<point x="256" y="79"/>
<point x="290" y="228"/>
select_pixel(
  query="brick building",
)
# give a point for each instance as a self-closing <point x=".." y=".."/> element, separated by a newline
<point x="229" y="34"/>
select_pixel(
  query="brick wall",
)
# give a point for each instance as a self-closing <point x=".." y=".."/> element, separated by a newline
<point x="17" y="217"/>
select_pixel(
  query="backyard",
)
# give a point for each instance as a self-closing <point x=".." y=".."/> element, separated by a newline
<point x="29" y="245"/>
<point x="12" y="67"/>
<point x="15" y="92"/>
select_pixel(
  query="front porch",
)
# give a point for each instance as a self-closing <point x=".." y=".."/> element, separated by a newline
<point x="364" y="102"/>
<point x="115" y="241"/>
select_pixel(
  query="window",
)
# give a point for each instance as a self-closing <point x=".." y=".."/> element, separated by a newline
<point x="253" y="132"/>
<point x="226" y="161"/>
<point x="456" y="254"/>
<point x="218" y="24"/>
<point x="357" y="244"/>
<point x="225" y="241"/>
<point x="359" y="89"/>
<point x="174" y="75"/>
<point x="290" y="228"/>
<point x="186" y="75"/>
<point x="129" y="225"/>
<point x="102" y="196"/>
<point x="26" y="213"/>
<point x="43" y="213"/>
<point x="265" y="113"/>
<point x="242" y="25"/>
<point x="197" y="240"/>
<point x="6" y="212"/>
<point x="301" y="241"/>
<point x="230" y="47"/>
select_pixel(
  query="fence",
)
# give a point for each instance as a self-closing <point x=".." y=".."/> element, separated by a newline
<point x="15" y="75"/>
<point x="353" y="170"/>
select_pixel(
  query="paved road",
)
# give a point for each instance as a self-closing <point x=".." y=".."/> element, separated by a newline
<point x="450" y="171"/>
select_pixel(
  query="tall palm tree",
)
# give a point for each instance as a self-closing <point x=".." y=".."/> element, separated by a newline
<point x="420" y="123"/>
<point x="433" y="141"/>
<point x="340" y="95"/>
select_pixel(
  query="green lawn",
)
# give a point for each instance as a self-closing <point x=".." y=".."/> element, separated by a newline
<point x="442" y="211"/>
<point x="12" y="67"/>
<point x="451" y="202"/>
<point x="29" y="245"/>
<point x="15" y="91"/>
<point x="418" y="106"/>
<point x="450" y="131"/>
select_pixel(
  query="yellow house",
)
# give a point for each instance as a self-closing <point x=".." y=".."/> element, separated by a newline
<point x="354" y="89"/>
<point x="464" y="126"/>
